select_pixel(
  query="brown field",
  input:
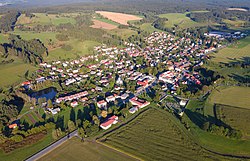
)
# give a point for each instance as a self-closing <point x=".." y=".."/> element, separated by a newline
<point x="237" y="9"/>
<point x="119" y="17"/>
<point x="103" y="25"/>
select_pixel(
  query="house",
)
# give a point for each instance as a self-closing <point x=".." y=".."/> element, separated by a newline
<point x="74" y="104"/>
<point x="138" y="102"/>
<point x="110" y="99"/>
<point x="183" y="103"/>
<point x="133" y="110"/>
<point x="12" y="126"/>
<point x="124" y="96"/>
<point x="110" y="121"/>
<point x="102" y="104"/>
<point x="143" y="83"/>
<point x="26" y="83"/>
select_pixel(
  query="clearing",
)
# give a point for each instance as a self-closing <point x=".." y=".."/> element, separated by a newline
<point x="233" y="96"/>
<point x="76" y="150"/>
<point x="155" y="135"/>
<point x="236" y="51"/>
<point x="14" y="72"/>
<point x="179" y="19"/>
<point x="120" y="18"/>
<point x="103" y="25"/>
<point x="236" y="117"/>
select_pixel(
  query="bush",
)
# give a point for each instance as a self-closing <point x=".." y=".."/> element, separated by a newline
<point x="67" y="47"/>
<point x="16" y="138"/>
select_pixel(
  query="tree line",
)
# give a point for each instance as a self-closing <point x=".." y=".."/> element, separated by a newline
<point x="8" y="21"/>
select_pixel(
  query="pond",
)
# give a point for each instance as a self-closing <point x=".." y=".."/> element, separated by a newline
<point x="48" y="93"/>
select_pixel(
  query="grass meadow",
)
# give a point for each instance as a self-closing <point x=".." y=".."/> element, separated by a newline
<point x="179" y="19"/>
<point x="76" y="150"/>
<point x="155" y="135"/>
<point x="234" y="52"/>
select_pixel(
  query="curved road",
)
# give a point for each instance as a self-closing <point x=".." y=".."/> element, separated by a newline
<point x="52" y="146"/>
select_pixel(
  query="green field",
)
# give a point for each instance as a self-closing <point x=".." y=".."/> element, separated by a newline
<point x="194" y="117"/>
<point x="107" y="21"/>
<point x="148" y="27"/>
<point x="233" y="96"/>
<point x="179" y="19"/>
<point x="236" y="117"/>
<point x="78" y="48"/>
<point x="44" y="19"/>
<point x="155" y="135"/>
<point x="23" y="153"/>
<point x="233" y="52"/>
<point x="76" y="150"/>
<point x="14" y="72"/>
<point x="3" y="38"/>
<point x="123" y="33"/>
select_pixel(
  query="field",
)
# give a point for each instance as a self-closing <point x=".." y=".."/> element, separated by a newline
<point x="233" y="96"/>
<point x="120" y="18"/>
<point x="3" y="38"/>
<point x="179" y="19"/>
<point x="233" y="52"/>
<point x="44" y="19"/>
<point x="123" y="33"/>
<point x="237" y="9"/>
<point x="237" y="23"/>
<point x="23" y="153"/>
<point x="81" y="151"/>
<point x="14" y="72"/>
<point x="103" y="25"/>
<point x="78" y="48"/>
<point x="236" y="117"/>
<point x="195" y="118"/>
<point x="155" y="135"/>
<point x="148" y="27"/>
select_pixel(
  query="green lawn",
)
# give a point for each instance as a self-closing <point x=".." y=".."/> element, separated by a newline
<point x="76" y="150"/>
<point x="23" y="153"/>
<point x="233" y="96"/>
<point x="179" y="19"/>
<point x="14" y="72"/>
<point x="156" y="135"/>
<point x="234" y="52"/>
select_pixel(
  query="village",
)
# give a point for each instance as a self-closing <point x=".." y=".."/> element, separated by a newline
<point x="121" y="77"/>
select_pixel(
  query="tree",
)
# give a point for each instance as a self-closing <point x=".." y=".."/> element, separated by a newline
<point x="86" y="124"/>
<point x="71" y="126"/>
<point x="96" y="120"/>
<point x="49" y="104"/>
<point x="81" y="132"/>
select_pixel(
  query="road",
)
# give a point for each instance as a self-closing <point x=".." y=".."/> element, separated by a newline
<point x="51" y="147"/>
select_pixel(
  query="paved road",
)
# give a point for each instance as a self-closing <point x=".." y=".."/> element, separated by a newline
<point x="52" y="146"/>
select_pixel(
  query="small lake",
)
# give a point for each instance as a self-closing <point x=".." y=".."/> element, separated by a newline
<point x="48" y="93"/>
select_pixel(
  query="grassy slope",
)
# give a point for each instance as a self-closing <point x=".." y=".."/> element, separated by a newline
<point x="154" y="135"/>
<point x="236" y="117"/>
<point x="148" y="27"/>
<point x="23" y="153"/>
<point x="210" y="141"/>
<point x="76" y="150"/>
<point x="124" y="33"/>
<point x="235" y="51"/>
<point x="79" y="48"/>
<point x="179" y="19"/>
<point x="233" y="96"/>
<point x="14" y="72"/>
<point x="3" y="38"/>
<point x="44" y="19"/>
